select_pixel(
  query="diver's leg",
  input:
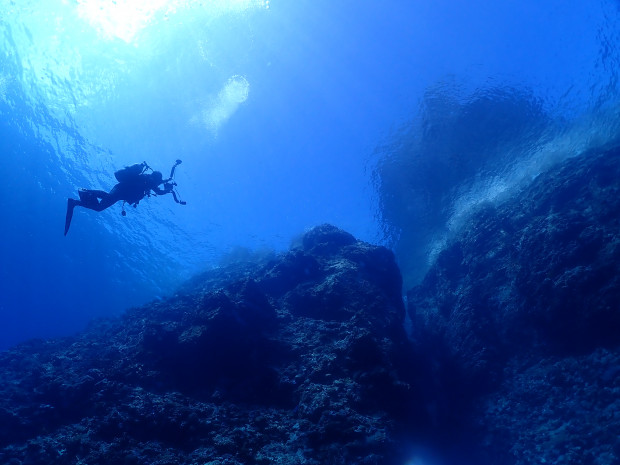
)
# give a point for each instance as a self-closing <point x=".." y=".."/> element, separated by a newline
<point x="89" y="198"/>
<point x="90" y="194"/>
<point x="107" y="201"/>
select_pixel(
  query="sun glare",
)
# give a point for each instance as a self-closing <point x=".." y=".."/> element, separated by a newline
<point x="121" y="19"/>
<point x="124" y="19"/>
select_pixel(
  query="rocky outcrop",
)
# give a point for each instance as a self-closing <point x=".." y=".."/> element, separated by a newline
<point x="521" y="316"/>
<point x="301" y="359"/>
<point x="439" y="156"/>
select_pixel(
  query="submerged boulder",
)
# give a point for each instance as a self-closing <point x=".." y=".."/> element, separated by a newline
<point x="521" y="316"/>
<point x="300" y="359"/>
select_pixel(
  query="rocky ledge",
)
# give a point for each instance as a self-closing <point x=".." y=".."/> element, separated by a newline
<point x="520" y="316"/>
<point x="300" y="359"/>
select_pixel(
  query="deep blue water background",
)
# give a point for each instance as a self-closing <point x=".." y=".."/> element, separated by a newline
<point x="285" y="115"/>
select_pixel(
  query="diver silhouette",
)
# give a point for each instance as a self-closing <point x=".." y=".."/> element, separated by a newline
<point x="133" y="185"/>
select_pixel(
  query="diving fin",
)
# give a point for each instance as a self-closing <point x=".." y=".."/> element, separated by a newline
<point x="71" y="203"/>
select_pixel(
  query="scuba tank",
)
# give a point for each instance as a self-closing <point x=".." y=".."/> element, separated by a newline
<point x="131" y="172"/>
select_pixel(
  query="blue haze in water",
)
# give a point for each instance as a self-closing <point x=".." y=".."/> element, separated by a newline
<point x="284" y="114"/>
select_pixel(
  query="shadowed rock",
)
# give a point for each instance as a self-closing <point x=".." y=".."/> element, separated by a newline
<point x="521" y="316"/>
<point x="299" y="359"/>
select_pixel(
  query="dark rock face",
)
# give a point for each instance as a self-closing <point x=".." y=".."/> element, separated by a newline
<point x="521" y="316"/>
<point x="439" y="154"/>
<point x="301" y="360"/>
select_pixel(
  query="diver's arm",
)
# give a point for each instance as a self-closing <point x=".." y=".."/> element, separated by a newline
<point x="174" y="194"/>
<point x="159" y="191"/>
<point x="168" y="189"/>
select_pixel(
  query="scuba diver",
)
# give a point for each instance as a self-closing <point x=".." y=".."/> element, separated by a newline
<point x="133" y="185"/>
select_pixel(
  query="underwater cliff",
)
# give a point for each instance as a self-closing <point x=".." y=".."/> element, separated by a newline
<point x="513" y="355"/>
<point x="520" y="315"/>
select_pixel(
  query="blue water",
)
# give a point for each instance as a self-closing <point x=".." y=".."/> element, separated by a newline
<point x="286" y="114"/>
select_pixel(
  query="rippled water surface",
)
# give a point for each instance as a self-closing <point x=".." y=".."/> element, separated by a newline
<point x="391" y="120"/>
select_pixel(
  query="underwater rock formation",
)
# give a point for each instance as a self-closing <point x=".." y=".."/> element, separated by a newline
<point x="301" y="359"/>
<point x="514" y="355"/>
<point x="520" y="315"/>
<point x="439" y="156"/>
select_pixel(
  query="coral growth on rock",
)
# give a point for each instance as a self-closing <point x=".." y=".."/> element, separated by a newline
<point x="300" y="359"/>
<point x="521" y="315"/>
